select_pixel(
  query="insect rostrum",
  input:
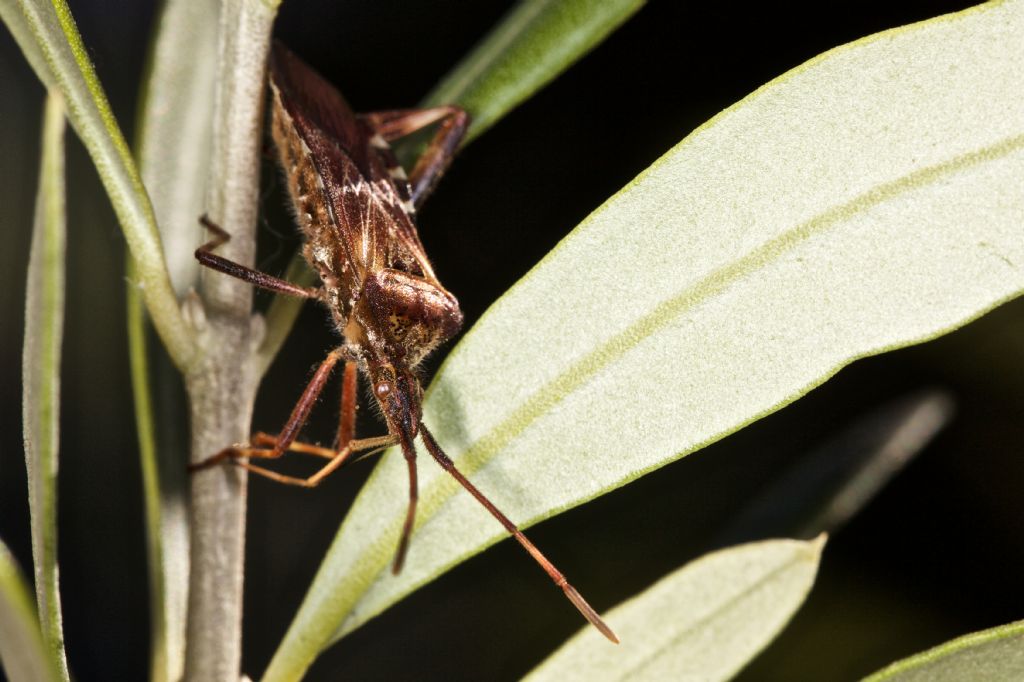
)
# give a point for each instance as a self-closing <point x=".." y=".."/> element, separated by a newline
<point x="356" y="208"/>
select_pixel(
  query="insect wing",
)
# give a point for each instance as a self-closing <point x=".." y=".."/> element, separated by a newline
<point x="370" y="201"/>
<point x="312" y="102"/>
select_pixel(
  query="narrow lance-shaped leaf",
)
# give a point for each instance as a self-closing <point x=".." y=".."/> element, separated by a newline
<point x="68" y="69"/>
<point x="995" y="655"/>
<point x="866" y="200"/>
<point x="23" y="655"/>
<point x="528" y="48"/>
<point x="166" y="516"/>
<point x="174" y="147"/>
<point x="44" y="332"/>
<point x="531" y="45"/>
<point x="18" y="25"/>
<point x="703" y="622"/>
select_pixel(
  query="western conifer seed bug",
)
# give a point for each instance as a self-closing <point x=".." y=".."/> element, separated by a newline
<point x="356" y="208"/>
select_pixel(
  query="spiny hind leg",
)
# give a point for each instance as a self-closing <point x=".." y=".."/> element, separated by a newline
<point x="440" y="151"/>
<point x="266" y="446"/>
<point x="299" y="415"/>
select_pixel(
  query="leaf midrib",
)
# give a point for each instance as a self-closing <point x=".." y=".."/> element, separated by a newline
<point x="480" y="453"/>
<point x="800" y="558"/>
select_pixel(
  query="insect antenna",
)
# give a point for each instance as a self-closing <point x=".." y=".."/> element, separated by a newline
<point x="570" y="592"/>
<point x="409" y="450"/>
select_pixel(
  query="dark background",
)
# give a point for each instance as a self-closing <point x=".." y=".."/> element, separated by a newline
<point x="936" y="555"/>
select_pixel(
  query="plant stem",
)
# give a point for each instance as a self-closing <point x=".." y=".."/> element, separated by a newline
<point x="222" y="384"/>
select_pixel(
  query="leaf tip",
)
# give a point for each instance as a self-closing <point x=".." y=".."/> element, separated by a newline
<point x="817" y="545"/>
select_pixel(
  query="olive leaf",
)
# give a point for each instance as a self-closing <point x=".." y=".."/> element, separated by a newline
<point x="531" y="45"/>
<point x="995" y="655"/>
<point x="44" y="334"/>
<point x="23" y="655"/>
<point x="705" y="621"/>
<point x="174" y="154"/>
<point x="47" y="35"/>
<point x="867" y="200"/>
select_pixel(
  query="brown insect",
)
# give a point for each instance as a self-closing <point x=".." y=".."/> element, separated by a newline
<point x="357" y="208"/>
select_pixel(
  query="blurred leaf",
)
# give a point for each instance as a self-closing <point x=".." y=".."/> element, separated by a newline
<point x="23" y="655"/>
<point x="530" y="46"/>
<point x="174" y="152"/>
<point x="16" y="22"/>
<point x="992" y="655"/>
<point x="53" y="33"/>
<point x="703" y="622"/>
<point x="176" y="129"/>
<point x="867" y="200"/>
<point x="44" y="332"/>
<point x="166" y="511"/>
<point x="830" y="485"/>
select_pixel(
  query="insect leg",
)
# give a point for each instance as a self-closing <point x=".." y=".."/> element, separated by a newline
<point x="438" y="155"/>
<point x="575" y="597"/>
<point x="349" y="400"/>
<point x="346" y="422"/>
<point x="299" y="415"/>
<point x="263" y="440"/>
<point x="205" y="256"/>
<point x="338" y="459"/>
<point x="285" y="441"/>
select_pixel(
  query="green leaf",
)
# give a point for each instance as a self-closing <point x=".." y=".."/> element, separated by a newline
<point x="16" y="22"/>
<point x="23" y="655"/>
<point x="54" y="36"/>
<point x="705" y="621"/>
<point x="175" y="136"/>
<point x="167" y="541"/>
<point x="528" y="48"/>
<point x="867" y="200"/>
<point x="44" y="332"/>
<point x="993" y="655"/>
<point x="174" y="154"/>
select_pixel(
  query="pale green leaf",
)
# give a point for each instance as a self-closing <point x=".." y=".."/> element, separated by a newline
<point x="17" y="24"/>
<point x="530" y="46"/>
<point x="175" y="148"/>
<point x="54" y="36"/>
<point x="40" y="371"/>
<point x="866" y="200"/>
<point x="174" y="154"/>
<point x="23" y="655"/>
<point x="705" y="621"/>
<point x="995" y="655"/>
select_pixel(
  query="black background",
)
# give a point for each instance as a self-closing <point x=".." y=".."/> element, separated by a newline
<point x="936" y="555"/>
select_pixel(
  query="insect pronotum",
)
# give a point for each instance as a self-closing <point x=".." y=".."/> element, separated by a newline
<point x="356" y="208"/>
